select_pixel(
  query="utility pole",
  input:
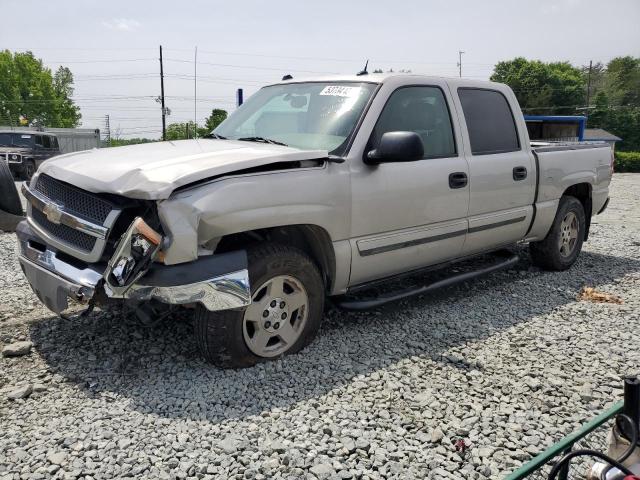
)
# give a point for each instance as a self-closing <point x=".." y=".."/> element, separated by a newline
<point x="460" y="52"/>
<point x="195" y="94"/>
<point x="107" y="127"/>
<point x="164" y="110"/>
<point x="589" y="87"/>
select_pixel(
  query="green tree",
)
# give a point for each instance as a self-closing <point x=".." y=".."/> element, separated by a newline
<point x="66" y="112"/>
<point x="622" y="82"/>
<point x="543" y="88"/>
<point x="216" y="118"/>
<point x="617" y="104"/>
<point x="30" y="93"/>
<point x="181" y="131"/>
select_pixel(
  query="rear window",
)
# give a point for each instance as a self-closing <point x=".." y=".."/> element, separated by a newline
<point x="490" y="122"/>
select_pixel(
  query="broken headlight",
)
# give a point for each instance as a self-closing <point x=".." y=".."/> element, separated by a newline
<point x="136" y="250"/>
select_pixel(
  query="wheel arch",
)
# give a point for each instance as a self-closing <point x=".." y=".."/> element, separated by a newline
<point x="313" y="240"/>
<point x="583" y="192"/>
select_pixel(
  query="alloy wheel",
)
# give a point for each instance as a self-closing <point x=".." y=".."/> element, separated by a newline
<point x="569" y="229"/>
<point x="276" y="317"/>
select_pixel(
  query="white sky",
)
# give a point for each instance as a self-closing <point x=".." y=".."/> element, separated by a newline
<point x="249" y="43"/>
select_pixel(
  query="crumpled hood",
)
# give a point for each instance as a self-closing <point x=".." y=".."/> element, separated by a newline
<point x="152" y="171"/>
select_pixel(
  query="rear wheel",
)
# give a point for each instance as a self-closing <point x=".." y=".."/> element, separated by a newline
<point x="285" y="314"/>
<point x="562" y="245"/>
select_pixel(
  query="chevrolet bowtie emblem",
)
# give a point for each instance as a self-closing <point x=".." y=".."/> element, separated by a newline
<point x="53" y="212"/>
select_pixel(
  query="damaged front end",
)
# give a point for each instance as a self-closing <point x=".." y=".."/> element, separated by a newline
<point x="134" y="273"/>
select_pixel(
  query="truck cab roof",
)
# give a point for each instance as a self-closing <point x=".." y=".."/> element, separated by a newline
<point x="394" y="77"/>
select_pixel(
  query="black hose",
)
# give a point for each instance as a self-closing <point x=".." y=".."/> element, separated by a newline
<point x="632" y="445"/>
<point x="581" y="453"/>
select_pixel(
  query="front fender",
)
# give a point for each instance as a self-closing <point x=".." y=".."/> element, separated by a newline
<point x="316" y="196"/>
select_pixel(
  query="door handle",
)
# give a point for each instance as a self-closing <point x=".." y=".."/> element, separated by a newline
<point x="519" y="173"/>
<point x="458" y="180"/>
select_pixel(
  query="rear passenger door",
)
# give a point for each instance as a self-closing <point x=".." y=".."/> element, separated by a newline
<point x="502" y="171"/>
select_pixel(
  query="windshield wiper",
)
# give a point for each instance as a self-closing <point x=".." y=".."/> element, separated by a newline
<point x="263" y="140"/>
<point x="216" y="136"/>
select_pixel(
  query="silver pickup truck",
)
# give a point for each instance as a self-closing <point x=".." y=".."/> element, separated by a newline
<point x="310" y="189"/>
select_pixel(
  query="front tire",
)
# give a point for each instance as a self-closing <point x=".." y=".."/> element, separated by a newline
<point x="29" y="170"/>
<point x="287" y="307"/>
<point x="562" y="245"/>
<point x="9" y="197"/>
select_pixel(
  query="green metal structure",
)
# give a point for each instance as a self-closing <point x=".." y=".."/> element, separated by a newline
<point x="592" y="435"/>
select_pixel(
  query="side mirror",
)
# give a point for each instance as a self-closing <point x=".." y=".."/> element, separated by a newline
<point x="397" y="147"/>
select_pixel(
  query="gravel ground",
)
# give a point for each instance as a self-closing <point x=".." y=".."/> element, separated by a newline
<point x="510" y="364"/>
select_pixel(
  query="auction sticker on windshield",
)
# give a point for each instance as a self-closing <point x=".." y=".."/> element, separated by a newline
<point x="340" y="91"/>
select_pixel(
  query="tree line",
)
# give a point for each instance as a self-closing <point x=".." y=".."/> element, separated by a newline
<point x="32" y="95"/>
<point x="608" y="94"/>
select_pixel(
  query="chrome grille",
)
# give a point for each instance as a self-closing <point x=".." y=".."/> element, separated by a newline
<point x="63" y="233"/>
<point x="71" y="219"/>
<point x="75" y="200"/>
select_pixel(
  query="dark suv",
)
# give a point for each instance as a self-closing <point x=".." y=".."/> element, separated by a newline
<point x="24" y="151"/>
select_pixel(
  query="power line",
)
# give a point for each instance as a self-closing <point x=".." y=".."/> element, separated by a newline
<point x="287" y="57"/>
<point x="253" y="67"/>
<point x="114" y="60"/>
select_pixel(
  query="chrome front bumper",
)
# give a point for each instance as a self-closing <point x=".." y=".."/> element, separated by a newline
<point x="218" y="282"/>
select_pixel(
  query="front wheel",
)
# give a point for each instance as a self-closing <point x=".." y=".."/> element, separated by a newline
<point x="287" y="294"/>
<point x="29" y="170"/>
<point x="562" y="245"/>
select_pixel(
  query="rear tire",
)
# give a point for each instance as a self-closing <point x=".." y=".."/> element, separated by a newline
<point x="562" y="245"/>
<point x="9" y="197"/>
<point x="233" y="338"/>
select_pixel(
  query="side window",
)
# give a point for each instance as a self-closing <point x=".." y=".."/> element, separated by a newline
<point x="490" y="122"/>
<point x="39" y="141"/>
<point x="46" y="141"/>
<point x="54" y="143"/>
<point x="422" y="110"/>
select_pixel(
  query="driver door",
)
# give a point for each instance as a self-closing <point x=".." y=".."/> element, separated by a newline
<point x="408" y="215"/>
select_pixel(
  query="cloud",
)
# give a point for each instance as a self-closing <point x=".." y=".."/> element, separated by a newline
<point x="122" y="24"/>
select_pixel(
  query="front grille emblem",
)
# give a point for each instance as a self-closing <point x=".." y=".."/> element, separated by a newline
<point x="53" y="212"/>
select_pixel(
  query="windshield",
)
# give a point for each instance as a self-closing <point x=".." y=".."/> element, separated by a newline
<point x="308" y="116"/>
<point x="15" y="140"/>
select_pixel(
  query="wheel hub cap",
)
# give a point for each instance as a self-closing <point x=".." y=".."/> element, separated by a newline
<point x="569" y="229"/>
<point x="276" y="318"/>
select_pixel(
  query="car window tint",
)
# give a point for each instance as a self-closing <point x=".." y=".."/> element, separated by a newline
<point x="490" y="122"/>
<point x="422" y="110"/>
